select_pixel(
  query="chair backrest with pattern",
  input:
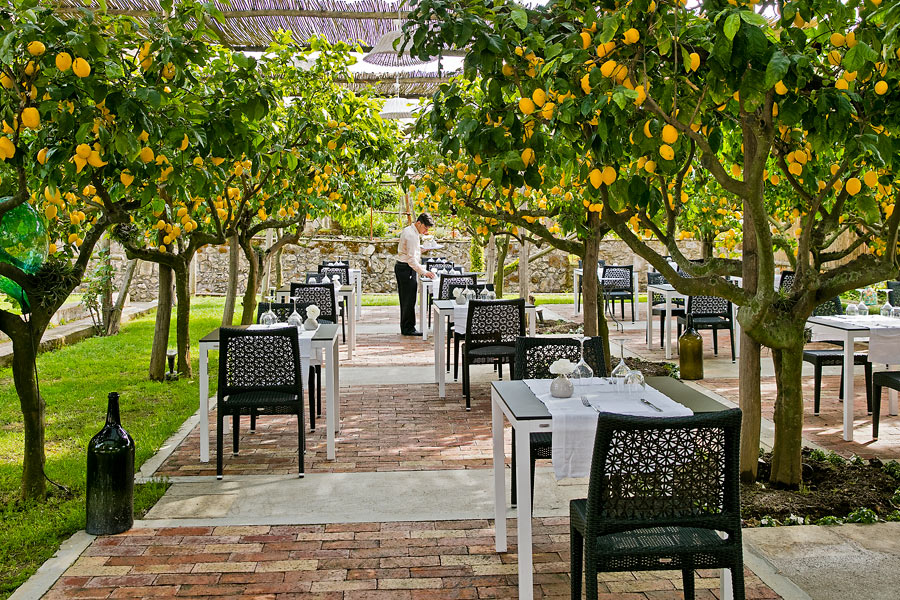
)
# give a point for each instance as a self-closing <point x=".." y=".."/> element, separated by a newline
<point x="787" y="281"/>
<point x="656" y="278"/>
<point x="617" y="278"/>
<point x="448" y="280"/>
<point x="265" y="360"/>
<point x="342" y="271"/>
<point x="829" y="308"/>
<point x="282" y="310"/>
<point x="534" y="355"/>
<point x="894" y="296"/>
<point x="439" y="263"/>
<point x="495" y="322"/>
<point x="708" y="306"/>
<point x="320" y="294"/>
<point x="663" y="471"/>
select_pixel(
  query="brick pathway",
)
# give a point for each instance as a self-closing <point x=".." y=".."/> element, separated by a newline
<point x="360" y="561"/>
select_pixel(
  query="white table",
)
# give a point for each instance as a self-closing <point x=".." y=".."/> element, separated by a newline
<point x="440" y="310"/>
<point x="670" y="293"/>
<point x="842" y="328"/>
<point x="518" y="404"/>
<point x="325" y="341"/>
<point x="427" y="292"/>
<point x="356" y="281"/>
<point x="345" y="292"/>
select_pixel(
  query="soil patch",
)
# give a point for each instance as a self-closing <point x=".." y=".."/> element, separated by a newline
<point x="832" y="487"/>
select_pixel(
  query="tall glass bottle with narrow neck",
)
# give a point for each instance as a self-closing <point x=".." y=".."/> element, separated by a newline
<point x="690" y="352"/>
<point x="110" y="476"/>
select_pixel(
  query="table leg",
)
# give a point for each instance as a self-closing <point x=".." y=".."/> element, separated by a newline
<point x="337" y="389"/>
<point x="351" y="346"/>
<point x="892" y="399"/>
<point x="499" y="465"/>
<point x="359" y="295"/>
<point x="439" y="341"/>
<point x="848" y="387"/>
<point x="737" y="335"/>
<point x="668" y="327"/>
<point x="204" y="403"/>
<point x="532" y="322"/>
<point x="331" y="391"/>
<point x="649" y="327"/>
<point x="423" y="302"/>
<point x="523" y="520"/>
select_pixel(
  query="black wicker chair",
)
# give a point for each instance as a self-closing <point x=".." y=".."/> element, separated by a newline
<point x="534" y="355"/>
<point x="282" y="311"/>
<point x="618" y="284"/>
<point x="259" y="373"/>
<point x="600" y="265"/>
<point x="439" y="263"/>
<point x="492" y="327"/>
<point x="343" y="272"/>
<point x="710" y="312"/>
<point x="445" y="280"/>
<point x="658" y="304"/>
<point x="882" y="379"/>
<point x="660" y="491"/>
<point x="834" y="358"/>
<point x="320" y="294"/>
<point x="458" y="338"/>
<point x="894" y="296"/>
<point x="787" y="281"/>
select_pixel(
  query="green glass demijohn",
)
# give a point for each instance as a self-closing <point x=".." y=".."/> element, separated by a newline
<point x="690" y="352"/>
<point x="110" y="476"/>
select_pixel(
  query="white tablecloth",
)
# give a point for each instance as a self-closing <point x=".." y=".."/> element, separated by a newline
<point x="884" y="335"/>
<point x="575" y="425"/>
<point x="305" y="336"/>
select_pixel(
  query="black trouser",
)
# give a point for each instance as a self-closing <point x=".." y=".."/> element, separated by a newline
<point x="407" y="286"/>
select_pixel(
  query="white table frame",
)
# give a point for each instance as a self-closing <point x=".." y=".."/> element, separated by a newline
<point x="848" y="334"/>
<point x="345" y="292"/>
<point x="440" y="309"/>
<point x="331" y="366"/>
<point x="670" y="294"/>
<point x="356" y="281"/>
<point x="523" y="428"/>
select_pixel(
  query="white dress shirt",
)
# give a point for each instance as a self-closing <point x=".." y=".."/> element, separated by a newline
<point x="409" y="250"/>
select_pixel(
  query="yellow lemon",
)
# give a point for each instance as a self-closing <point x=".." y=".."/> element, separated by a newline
<point x="547" y="110"/>
<point x="526" y="105"/>
<point x="30" y="68"/>
<point x="36" y="48"/>
<point x="527" y="156"/>
<point x="647" y="131"/>
<point x="6" y="81"/>
<point x="795" y="169"/>
<point x="631" y="36"/>
<point x="695" y="61"/>
<point x="881" y="87"/>
<point x="332" y="144"/>
<point x="780" y="88"/>
<point x="736" y="170"/>
<point x="81" y="68"/>
<point x="508" y="71"/>
<point x="596" y="178"/>
<point x="666" y="152"/>
<point x="850" y="40"/>
<point x="184" y="143"/>
<point x="669" y="134"/>
<point x="31" y="118"/>
<point x="849" y="75"/>
<point x="871" y="179"/>
<point x="63" y="61"/>
<point x="650" y="166"/>
<point x="834" y="57"/>
<point x="83" y="150"/>
<point x="95" y="160"/>
<point x="42" y="156"/>
<point x="539" y="97"/>
<point x="775" y="179"/>
<point x="51" y="248"/>
<point x="607" y="68"/>
<point x="585" y="40"/>
<point x="642" y="95"/>
<point x="841" y="84"/>
<point x="586" y="83"/>
<point x="146" y="154"/>
<point x="609" y="175"/>
<point x="836" y="39"/>
<point x="853" y="186"/>
<point x="126" y="178"/>
<point x="50" y="212"/>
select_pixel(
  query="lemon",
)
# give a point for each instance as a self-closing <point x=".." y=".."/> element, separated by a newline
<point x="94" y="159"/>
<point x="332" y="144"/>
<point x="527" y="156"/>
<point x="332" y="123"/>
<point x="184" y="143"/>
<point x="849" y="75"/>
<point x="666" y="152"/>
<point x="126" y="178"/>
<point x="508" y="71"/>
<point x="871" y="179"/>
<point x="30" y="68"/>
<point x="853" y="186"/>
<point x="42" y="156"/>
<point x="31" y="118"/>
<point x="695" y="61"/>
<point x="146" y="154"/>
<point x="547" y="110"/>
<point x="6" y="81"/>
<point x="585" y="40"/>
<point x="642" y="95"/>
<point x="736" y="170"/>
<point x="647" y="131"/>
<point x="50" y="212"/>
<point x="841" y="84"/>
<point x="81" y="68"/>
<point x="609" y="175"/>
<point x="63" y="61"/>
<point x="850" y="40"/>
<point x="631" y="36"/>
<point x="217" y="160"/>
<point x="539" y="97"/>
<point x="586" y="83"/>
<point x="607" y="68"/>
<point x="669" y="134"/>
<point x="798" y="20"/>
<point x="650" y="166"/>
<point x="775" y="179"/>
<point x="837" y="40"/>
<point x="780" y="88"/>
<point x="168" y="71"/>
<point x="51" y="249"/>
<point x="881" y="87"/>
<point x="526" y="105"/>
<point x="876" y="2"/>
<point x="36" y="48"/>
<point x="596" y="178"/>
<point x="83" y="151"/>
<point x="795" y="168"/>
<point x="834" y="57"/>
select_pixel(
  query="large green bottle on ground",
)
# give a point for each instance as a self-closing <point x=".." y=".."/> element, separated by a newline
<point x="110" y="476"/>
<point x="690" y="352"/>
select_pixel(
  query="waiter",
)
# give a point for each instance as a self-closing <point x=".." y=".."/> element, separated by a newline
<point x="409" y="255"/>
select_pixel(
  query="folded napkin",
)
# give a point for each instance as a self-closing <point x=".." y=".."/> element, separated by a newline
<point x="575" y="425"/>
<point x="460" y="316"/>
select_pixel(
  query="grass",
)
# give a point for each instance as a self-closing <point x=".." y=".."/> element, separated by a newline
<point x="75" y="382"/>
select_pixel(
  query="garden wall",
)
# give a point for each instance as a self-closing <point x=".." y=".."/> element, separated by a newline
<point x="376" y="258"/>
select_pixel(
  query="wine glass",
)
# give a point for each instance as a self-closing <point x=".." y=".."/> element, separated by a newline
<point x="269" y="317"/>
<point x="634" y="381"/>
<point x="852" y="309"/>
<point x="295" y="319"/>
<point x="863" y="308"/>
<point x="583" y="371"/>
<point x="621" y="370"/>
<point x="895" y="312"/>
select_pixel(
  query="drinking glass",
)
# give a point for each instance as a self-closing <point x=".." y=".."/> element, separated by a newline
<point x="621" y="370"/>
<point x="269" y="317"/>
<point x="895" y="312"/>
<point x="852" y="309"/>
<point x="863" y="308"/>
<point x="295" y="319"/>
<point x="634" y="381"/>
<point x="583" y="371"/>
<point x="886" y="309"/>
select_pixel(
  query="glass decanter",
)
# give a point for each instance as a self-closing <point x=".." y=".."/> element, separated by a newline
<point x="583" y="371"/>
<point x="295" y="319"/>
<point x="621" y="370"/>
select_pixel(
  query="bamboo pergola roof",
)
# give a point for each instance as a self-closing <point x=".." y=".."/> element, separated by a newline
<point x="249" y="24"/>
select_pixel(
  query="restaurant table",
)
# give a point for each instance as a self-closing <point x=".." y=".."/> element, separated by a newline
<point x="526" y="414"/>
<point x="344" y="292"/>
<point x="426" y="292"/>
<point x="578" y="275"/>
<point x="670" y="293"/>
<point x="356" y="281"/>
<point x="324" y="341"/>
<point x="848" y="329"/>
<point x="440" y="310"/>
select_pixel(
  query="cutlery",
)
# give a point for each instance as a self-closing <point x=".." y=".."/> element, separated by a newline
<point x="651" y="405"/>
<point x="587" y="404"/>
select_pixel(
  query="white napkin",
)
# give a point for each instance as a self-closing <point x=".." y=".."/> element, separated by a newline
<point x="575" y="425"/>
<point x="460" y="316"/>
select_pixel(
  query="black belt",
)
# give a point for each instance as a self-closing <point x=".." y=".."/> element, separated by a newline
<point x="403" y="264"/>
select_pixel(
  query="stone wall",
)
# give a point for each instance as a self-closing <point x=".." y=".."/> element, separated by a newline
<point x="376" y="258"/>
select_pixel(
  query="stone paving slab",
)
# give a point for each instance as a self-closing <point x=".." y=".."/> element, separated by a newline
<point x="420" y="560"/>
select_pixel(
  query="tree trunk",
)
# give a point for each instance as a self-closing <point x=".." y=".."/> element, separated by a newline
<point x="502" y="249"/>
<point x="106" y="301"/>
<point x="786" y="471"/>
<point x="115" y="317"/>
<point x="163" y="320"/>
<point x="490" y="258"/>
<point x="706" y="247"/>
<point x="750" y="403"/>
<point x="183" y="319"/>
<point x="33" y="408"/>
<point x="234" y="258"/>
<point x="248" y="315"/>
<point x="524" y="270"/>
<point x="279" y="271"/>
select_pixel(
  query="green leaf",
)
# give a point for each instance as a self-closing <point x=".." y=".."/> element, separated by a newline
<point x="732" y="25"/>
<point x="752" y="18"/>
<point x="869" y="208"/>
<point x="857" y="56"/>
<point x="519" y="17"/>
<point x="777" y="68"/>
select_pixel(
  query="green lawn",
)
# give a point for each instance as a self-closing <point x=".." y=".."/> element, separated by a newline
<point x="74" y="383"/>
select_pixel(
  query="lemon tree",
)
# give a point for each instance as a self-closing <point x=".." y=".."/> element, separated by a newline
<point x="658" y="91"/>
